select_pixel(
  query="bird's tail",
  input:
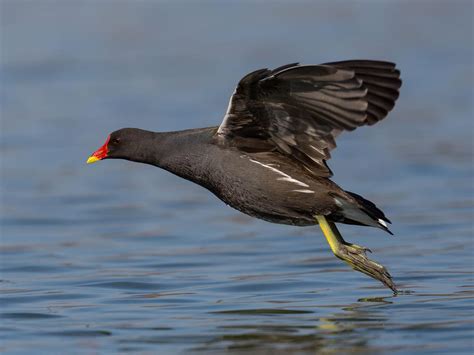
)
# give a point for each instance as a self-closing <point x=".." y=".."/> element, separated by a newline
<point x="363" y="212"/>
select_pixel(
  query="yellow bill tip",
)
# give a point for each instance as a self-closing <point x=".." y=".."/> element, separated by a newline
<point x="92" y="159"/>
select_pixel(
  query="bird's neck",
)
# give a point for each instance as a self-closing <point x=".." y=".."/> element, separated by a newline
<point x="181" y="152"/>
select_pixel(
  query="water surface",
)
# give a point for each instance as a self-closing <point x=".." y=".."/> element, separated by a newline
<point x="121" y="257"/>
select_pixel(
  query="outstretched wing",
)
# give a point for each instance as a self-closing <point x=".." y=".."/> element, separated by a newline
<point x="299" y="110"/>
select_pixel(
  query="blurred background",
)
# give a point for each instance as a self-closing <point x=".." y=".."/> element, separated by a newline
<point x="121" y="257"/>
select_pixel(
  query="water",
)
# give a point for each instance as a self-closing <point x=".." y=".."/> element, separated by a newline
<point x="119" y="257"/>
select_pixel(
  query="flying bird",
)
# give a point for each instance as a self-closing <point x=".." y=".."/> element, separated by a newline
<point x="268" y="158"/>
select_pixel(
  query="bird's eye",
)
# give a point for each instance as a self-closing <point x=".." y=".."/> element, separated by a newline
<point x="115" y="140"/>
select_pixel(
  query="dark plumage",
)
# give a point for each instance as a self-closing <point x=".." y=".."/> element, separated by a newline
<point x="268" y="157"/>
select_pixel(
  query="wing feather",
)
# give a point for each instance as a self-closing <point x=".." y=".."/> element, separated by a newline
<point x="299" y="110"/>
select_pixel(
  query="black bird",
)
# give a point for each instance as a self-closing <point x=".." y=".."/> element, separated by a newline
<point x="268" y="157"/>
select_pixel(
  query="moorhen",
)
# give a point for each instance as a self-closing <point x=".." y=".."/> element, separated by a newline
<point x="268" y="157"/>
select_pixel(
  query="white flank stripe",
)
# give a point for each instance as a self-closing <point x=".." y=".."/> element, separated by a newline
<point x="285" y="177"/>
<point x="304" y="191"/>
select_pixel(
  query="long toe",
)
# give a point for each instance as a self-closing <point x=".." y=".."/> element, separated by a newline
<point x="356" y="257"/>
<point x="364" y="249"/>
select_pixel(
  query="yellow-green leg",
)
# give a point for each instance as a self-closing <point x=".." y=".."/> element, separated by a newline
<point x="353" y="254"/>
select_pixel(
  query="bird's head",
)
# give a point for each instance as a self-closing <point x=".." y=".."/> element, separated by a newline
<point x="122" y="144"/>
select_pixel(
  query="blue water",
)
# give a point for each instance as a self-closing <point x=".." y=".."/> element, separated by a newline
<point x="121" y="257"/>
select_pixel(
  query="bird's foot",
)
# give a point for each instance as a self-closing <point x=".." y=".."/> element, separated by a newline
<point x="355" y="256"/>
<point x="361" y="248"/>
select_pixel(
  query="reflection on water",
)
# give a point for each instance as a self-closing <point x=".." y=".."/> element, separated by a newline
<point x="342" y="331"/>
<point x="120" y="257"/>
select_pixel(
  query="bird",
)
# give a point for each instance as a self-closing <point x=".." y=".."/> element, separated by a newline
<point x="268" y="157"/>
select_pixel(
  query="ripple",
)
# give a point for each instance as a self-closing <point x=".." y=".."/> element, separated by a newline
<point x="28" y="316"/>
<point x="82" y="333"/>
<point x="263" y="311"/>
<point x="126" y="285"/>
